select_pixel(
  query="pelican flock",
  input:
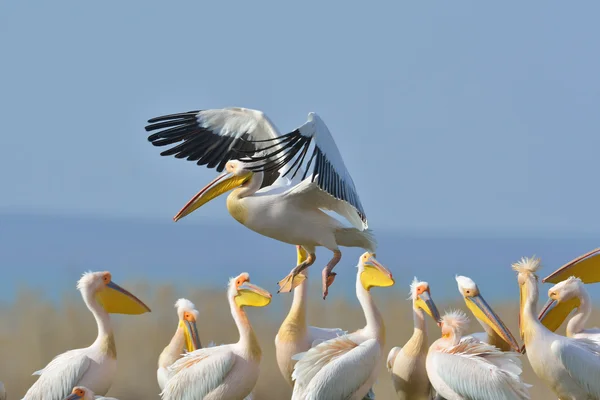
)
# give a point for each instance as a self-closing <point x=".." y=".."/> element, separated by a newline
<point x="295" y="188"/>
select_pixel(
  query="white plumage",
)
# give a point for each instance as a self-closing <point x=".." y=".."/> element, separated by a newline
<point x="568" y="366"/>
<point x="346" y="367"/>
<point x="226" y="372"/>
<point x="185" y="339"/>
<point x="283" y="188"/>
<point x="567" y="291"/>
<point x="93" y="366"/>
<point x="472" y="370"/>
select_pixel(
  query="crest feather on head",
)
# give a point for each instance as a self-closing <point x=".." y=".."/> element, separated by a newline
<point x="185" y="304"/>
<point x="413" y="287"/>
<point x="527" y="265"/>
<point x="456" y="320"/>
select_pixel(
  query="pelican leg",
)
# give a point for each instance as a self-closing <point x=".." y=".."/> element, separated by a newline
<point x="328" y="276"/>
<point x="293" y="279"/>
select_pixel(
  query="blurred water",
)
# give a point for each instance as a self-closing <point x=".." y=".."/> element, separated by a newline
<point x="49" y="253"/>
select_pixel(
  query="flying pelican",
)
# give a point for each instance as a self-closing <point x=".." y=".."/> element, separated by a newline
<point x="83" y="393"/>
<point x="346" y="367"/>
<point x="468" y="369"/>
<point x="273" y="194"/>
<point x="186" y="337"/>
<point x="407" y="364"/>
<point x="228" y="371"/>
<point x="94" y="366"/>
<point x="294" y="335"/>
<point x="573" y="293"/>
<point x="496" y="333"/>
<point x="568" y="366"/>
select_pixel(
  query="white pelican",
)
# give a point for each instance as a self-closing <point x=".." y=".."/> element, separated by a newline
<point x="571" y="292"/>
<point x="568" y="366"/>
<point x="468" y="369"/>
<point x="496" y="333"/>
<point x="228" y="371"/>
<point x="83" y="393"/>
<point x="258" y="161"/>
<point x="185" y="338"/>
<point x="407" y="364"/>
<point x="94" y="366"/>
<point x="294" y="335"/>
<point x="346" y="367"/>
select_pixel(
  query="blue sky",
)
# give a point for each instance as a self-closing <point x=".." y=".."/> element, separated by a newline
<point x="450" y="116"/>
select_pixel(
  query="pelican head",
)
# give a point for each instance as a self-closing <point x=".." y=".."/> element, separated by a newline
<point x="421" y="298"/>
<point x="81" y="393"/>
<point x="188" y="315"/>
<point x="246" y="294"/>
<point x="112" y="297"/>
<point x="482" y="311"/>
<point x="235" y="175"/>
<point x="454" y="324"/>
<point x="526" y="276"/>
<point x="562" y="299"/>
<point x="372" y="273"/>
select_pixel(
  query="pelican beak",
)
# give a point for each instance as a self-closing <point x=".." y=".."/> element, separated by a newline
<point x="374" y="274"/>
<point x="425" y="302"/>
<point x="585" y="267"/>
<point x="117" y="300"/>
<point x="190" y="332"/>
<point x="76" y="394"/>
<point x="480" y="308"/>
<point x="221" y="184"/>
<point x="554" y="313"/>
<point x="252" y="296"/>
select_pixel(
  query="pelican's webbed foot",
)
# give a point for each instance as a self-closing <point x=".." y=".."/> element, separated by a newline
<point x="294" y="278"/>
<point x="328" y="276"/>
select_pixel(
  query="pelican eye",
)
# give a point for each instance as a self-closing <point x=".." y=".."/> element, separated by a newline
<point x="106" y="278"/>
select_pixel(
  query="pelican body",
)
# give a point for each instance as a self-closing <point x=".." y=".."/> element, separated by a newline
<point x="496" y="333"/>
<point x="94" y="366"/>
<point x="346" y="367"/>
<point x="294" y="335"/>
<point x="83" y="393"/>
<point x="185" y="338"/>
<point x="272" y="194"/>
<point x="226" y="372"/>
<point x="568" y="366"/>
<point x="407" y="364"/>
<point x="468" y="369"/>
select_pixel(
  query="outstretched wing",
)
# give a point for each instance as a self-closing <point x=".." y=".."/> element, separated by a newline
<point x="335" y="369"/>
<point x="60" y="376"/>
<point x="287" y="153"/>
<point x="476" y="370"/>
<point x="581" y="358"/>
<point x="213" y="137"/>
<point x="198" y="373"/>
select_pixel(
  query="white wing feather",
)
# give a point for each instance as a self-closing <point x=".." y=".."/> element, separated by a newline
<point x="581" y="359"/>
<point x="335" y="369"/>
<point x="319" y="335"/>
<point x="592" y="334"/>
<point x="327" y="173"/>
<point x="392" y="357"/>
<point x="198" y="373"/>
<point x="476" y="370"/>
<point x="58" y="378"/>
